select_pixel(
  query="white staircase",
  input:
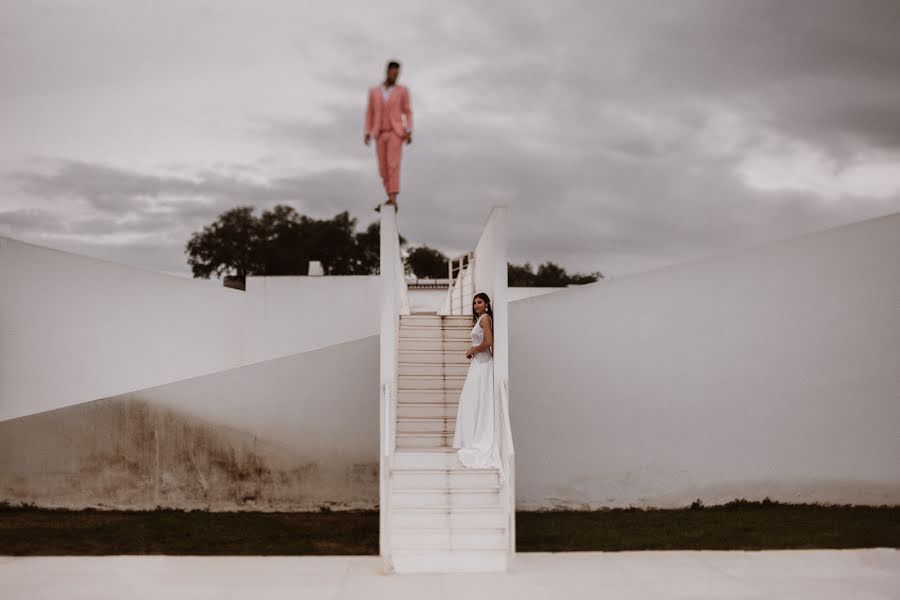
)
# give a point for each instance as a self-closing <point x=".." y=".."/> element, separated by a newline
<point x="443" y="515"/>
<point x="436" y="514"/>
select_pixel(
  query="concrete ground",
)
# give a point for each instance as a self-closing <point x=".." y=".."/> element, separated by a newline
<point x="794" y="574"/>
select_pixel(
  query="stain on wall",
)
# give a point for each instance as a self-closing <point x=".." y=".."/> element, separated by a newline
<point x="297" y="433"/>
<point x="126" y="453"/>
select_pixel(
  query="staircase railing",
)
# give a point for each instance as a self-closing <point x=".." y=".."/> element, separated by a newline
<point x="491" y="278"/>
<point x="388" y="423"/>
<point x="461" y="273"/>
<point x="394" y="302"/>
<point x="507" y="458"/>
<point x="490" y="256"/>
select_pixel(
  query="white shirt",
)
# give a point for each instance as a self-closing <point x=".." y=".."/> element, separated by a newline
<point x="385" y="94"/>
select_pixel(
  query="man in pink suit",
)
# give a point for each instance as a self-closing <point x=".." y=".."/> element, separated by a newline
<point x="389" y="121"/>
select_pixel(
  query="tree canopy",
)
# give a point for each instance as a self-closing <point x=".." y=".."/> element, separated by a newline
<point x="427" y="262"/>
<point x="282" y="242"/>
<point x="548" y="274"/>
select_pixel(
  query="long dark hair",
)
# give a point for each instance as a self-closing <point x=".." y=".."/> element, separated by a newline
<point x="487" y="303"/>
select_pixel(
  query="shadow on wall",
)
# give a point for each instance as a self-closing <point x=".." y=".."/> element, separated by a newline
<point x="125" y="453"/>
<point x="297" y="433"/>
<point x="764" y="371"/>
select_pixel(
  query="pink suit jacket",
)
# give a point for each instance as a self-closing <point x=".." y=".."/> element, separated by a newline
<point x="396" y="109"/>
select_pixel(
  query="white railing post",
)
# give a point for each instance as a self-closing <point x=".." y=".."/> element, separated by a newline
<point x="485" y="270"/>
<point x="490" y="257"/>
<point x="462" y="285"/>
<point x="507" y="455"/>
<point x="498" y="282"/>
<point x="459" y="286"/>
<point x="394" y="302"/>
<point x="473" y="264"/>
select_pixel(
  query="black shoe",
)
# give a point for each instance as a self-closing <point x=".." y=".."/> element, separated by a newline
<point x="377" y="208"/>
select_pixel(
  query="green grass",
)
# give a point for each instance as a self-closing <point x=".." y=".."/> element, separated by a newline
<point x="29" y="531"/>
<point x="738" y="525"/>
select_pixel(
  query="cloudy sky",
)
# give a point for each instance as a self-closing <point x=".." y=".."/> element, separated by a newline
<point x="623" y="135"/>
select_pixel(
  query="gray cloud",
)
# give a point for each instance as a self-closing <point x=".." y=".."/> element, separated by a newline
<point x="30" y="220"/>
<point x="117" y="191"/>
<point x="614" y="130"/>
<point x="165" y="208"/>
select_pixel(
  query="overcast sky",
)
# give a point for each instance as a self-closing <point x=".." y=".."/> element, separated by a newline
<point x="623" y="135"/>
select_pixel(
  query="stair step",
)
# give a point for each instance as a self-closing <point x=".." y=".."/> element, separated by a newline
<point x="456" y="517"/>
<point x="436" y="336"/>
<point x="433" y="369"/>
<point x="450" y="539"/>
<point x="424" y="440"/>
<point x="433" y="357"/>
<point x="431" y="382"/>
<point x="428" y="396"/>
<point x="436" y="320"/>
<point x="443" y="425"/>
<point x="440" y="498"/>
<point x="451" y="479"/>
<point x="409" y="344"/>
<point x="440" y="457"/>
<point x="426" y="410"/>
<point x="463" y="332"/>
<point x="449" y="561"/>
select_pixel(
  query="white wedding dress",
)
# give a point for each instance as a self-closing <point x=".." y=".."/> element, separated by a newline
<point x="477" y="417"/>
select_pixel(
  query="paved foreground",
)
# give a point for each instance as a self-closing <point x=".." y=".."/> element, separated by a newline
<point x="795" y="574"/>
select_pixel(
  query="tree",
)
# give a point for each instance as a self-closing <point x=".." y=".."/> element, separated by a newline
<point x="282" y="242"/>
<point x="520" y="275"/>
<point x="283" y="245"/>
<point x="368" y="250"/>
<point x="427" y="262"/>
<point x="551" y="275"/>
<point x="548" y="274"/>
<point x="228" y="246"/>
<point x="581" y="279"/>
<point x="333" y="244"/>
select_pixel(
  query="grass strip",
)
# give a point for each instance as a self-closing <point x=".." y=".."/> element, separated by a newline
<point x="738" y="525"/>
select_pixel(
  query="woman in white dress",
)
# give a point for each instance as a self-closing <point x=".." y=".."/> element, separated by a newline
<point x="477" y="416"/>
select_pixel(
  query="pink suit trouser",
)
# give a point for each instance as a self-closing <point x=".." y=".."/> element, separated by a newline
<point x="388" y="148"/>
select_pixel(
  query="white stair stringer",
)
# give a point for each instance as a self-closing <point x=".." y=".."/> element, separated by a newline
<point x="443" y="516"/>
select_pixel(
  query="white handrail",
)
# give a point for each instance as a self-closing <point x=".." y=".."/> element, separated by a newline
<point x="394" y="302"/>
<point x="507" y="454"/>
<point x="400" y="283"/>
<point x="507" y="426"/>
<point x="461" y="284"/>
<point x="490" y="258"/>
<point x="384" y="495"/>
<point x="507" y="443"/>
<point x="388" y="442"/>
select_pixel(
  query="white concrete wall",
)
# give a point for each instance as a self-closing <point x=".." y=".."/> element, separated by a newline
<point x="430" y="300"/>
<point x="75" y="329"/>
<point x="520" y="293"/>
<point x="295" y="433"/>
<point x="766" y="372"/>
<point x="771" y="371"/>
<point x="287" y="315"/>
<point x="485" y="258"/>
<point x="426" y="300"/>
